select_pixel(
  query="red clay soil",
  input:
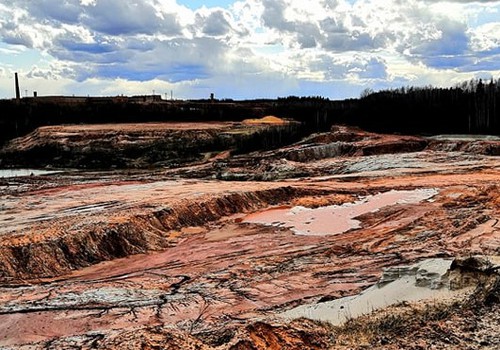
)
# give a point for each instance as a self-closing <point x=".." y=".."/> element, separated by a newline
<point x="103" y="260"/>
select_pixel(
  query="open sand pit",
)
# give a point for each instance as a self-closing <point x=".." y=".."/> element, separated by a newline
<point x="168" y="258"/>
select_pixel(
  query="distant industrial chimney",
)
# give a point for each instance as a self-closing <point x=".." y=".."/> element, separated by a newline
<point x="18" y="93"/>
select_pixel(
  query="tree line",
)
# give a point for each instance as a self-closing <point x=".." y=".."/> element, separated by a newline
<point x="469" y="107"/>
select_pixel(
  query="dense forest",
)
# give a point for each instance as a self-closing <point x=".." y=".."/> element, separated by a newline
<point x="470" y="107"/>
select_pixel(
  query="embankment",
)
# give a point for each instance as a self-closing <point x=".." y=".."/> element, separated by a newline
<point x="23" y="257"/>
<point x="140" y="145"/>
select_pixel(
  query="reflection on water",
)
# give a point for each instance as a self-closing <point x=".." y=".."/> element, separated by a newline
<point x="4" y="173"/>
<point x="335" y="219"/>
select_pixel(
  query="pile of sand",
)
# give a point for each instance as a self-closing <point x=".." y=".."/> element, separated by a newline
<point x="270" y="120"/>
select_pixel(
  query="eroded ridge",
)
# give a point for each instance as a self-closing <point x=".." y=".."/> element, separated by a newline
<point x="48" y="233"/>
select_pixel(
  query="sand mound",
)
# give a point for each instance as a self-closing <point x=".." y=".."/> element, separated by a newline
<point x="266" y="120"/>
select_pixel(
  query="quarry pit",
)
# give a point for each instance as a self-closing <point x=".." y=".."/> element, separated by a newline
<point x="201" y="255"/>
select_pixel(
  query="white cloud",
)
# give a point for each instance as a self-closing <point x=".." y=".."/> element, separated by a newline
<point x="486" y="37"/>
<point x="87" y="2"/>
<point x="141" y="43"/>
<point x="467" y="1"/>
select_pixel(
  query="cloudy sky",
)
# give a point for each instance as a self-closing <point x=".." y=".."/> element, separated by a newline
<point x="244" y="49"/>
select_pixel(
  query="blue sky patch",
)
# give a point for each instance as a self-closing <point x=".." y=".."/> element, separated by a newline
<point x="256" y="48"/>
<point x="193" y="4"/>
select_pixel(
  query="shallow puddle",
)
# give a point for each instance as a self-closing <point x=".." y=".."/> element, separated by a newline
<point x="424" y="281"/>
<point x="335" y="219"/>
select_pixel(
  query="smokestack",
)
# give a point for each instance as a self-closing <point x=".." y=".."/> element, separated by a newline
<point x="18" y="93"/>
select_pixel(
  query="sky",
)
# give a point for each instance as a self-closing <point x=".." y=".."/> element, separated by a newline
<point x="244" y="49"/>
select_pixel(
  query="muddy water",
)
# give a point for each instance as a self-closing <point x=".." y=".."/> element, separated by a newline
<point x="424" y="281"/>
<point x="335" y="219"/>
